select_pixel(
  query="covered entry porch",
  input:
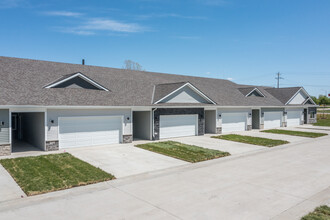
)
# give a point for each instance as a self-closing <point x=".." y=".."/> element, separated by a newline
<point x="27" y="131"/>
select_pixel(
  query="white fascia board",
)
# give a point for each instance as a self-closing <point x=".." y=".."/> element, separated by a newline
<point x="81" y="76"/>
<point x="306" y="93"/>
<point x="256" y="89"/>
<point x="193" y="88"/>
<point x="43" y="107"/>
<point x="309" y="98"/>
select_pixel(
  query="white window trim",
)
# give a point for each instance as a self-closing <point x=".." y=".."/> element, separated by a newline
<point x="258" y="91"/>
<point x="193" y="88"/>
<point x="81" y="76"/>
<point x="301" y="89"/>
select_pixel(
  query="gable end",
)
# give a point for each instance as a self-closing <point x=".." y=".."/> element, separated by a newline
<point x="77" y="80"/>
<point x="185" y="94"/>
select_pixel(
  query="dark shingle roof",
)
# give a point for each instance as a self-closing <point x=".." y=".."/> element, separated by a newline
<point x="283" y="94"/>
<point x="246" y="91"/>
<point x="22" y="82"/>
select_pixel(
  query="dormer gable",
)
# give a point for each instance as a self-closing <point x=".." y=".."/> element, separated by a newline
<point x="77" y="81"/>
<point x="251" y="91"/>
<point x="179" y="93"/>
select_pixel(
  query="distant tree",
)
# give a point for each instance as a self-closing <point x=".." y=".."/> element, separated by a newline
<point x="316" y="100"/>
<point x="131" y="65"/>
<point x="323" y="100"/>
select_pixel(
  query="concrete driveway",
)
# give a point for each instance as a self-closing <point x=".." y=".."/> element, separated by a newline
<point x="124" y="159"/>
<point x="284" y="182"/>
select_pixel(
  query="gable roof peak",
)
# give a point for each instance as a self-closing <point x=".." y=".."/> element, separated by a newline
<point x="67" y="77"/>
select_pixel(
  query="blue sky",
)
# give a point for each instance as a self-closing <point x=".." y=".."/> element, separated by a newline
<point x="246" y="41"/>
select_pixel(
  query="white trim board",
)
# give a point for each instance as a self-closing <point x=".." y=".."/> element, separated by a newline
<point x="303" y="90"/>
<point x="193" y="88"/>
<point x="258" y="91"/>
<point x="309" y="98"/>
<point x="82" y="77"/>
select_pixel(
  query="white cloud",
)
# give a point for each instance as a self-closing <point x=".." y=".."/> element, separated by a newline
<point x="11" y="3"/>
<point x="74" y="31"/>
<point x="170" y="15"/>
<point x="111" y="25"/>
<point x="63" y="13"/>
<point x="229" y="78"/>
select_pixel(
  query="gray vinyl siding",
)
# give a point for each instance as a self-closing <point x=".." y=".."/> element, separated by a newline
<point x="4" y="132"/>
<point x="54" y="114"/>
<point x="185" y="95"/>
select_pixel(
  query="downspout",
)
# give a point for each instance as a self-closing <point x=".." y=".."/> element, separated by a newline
<point x="153" y="124"/>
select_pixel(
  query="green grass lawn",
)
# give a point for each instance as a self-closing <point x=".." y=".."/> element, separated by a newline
<point x="47" y="173"/>
<point x="320" y="213"/>
<point x="251" y="140"/>
<point x="322" y="121"/>
<point x="295" y="133"/>
<point x="184" y="152"/>
<point x="321" y="111"/>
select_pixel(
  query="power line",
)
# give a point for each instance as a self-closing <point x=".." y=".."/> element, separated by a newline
<point x="278" y="79"/>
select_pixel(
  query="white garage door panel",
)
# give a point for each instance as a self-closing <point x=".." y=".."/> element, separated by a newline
<point x="177" y="126"/>
<point x="293" y="118"/>
<point x="89" y="131"/>
<point x="272" y="119"/>
<point x="234" y="122"/>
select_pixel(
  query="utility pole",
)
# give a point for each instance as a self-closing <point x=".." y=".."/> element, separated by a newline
<point x="278" y="79"/>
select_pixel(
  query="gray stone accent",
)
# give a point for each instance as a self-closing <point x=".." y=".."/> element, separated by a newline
<point x="312" y="120"/>
<point x="179" y="111"/>
<point x="219" y="130"/>
<point x="261" y="126"/>
<point x="249" y="128"/>
<point x="309" y="119"/>
<point x="5" y="149"/>
<point x="52" y="145"/>
<point x="284" y="124"/>
<point x="127" y="138"/>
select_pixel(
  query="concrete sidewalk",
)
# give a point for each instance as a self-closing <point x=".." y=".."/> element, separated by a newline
<point x="284" y="182"/>
<point x="9" y="190"/>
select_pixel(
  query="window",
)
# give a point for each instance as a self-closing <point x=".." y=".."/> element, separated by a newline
<point x="312" y="114"/>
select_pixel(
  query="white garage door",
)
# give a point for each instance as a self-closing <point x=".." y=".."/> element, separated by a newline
<point x="234" y="121"/>
<point x="272" y="120"/>
<point x="89" y="131"/>
<point x="177" y="126"/>
<point x="294" y="118"/>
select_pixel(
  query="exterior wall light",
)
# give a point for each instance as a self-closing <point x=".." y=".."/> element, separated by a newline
<point x="250" y="114"/>
<point x="219" y="115"/>
<point x="262" y="114"/>
<point x="52" y="121"/>
<point x="285" y="113"/>
<point x="2" y="123"/>
<point x="127" y="118"/>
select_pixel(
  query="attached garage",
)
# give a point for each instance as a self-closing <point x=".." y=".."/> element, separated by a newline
<point x="294" y="117"/>
<point x="272" y="119"/>
<point x="89" y="131"/>
<point x="235" y="121"/>
<point x="178" y="126"/>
